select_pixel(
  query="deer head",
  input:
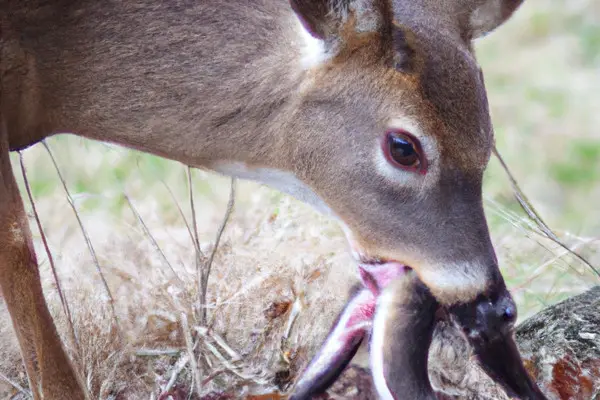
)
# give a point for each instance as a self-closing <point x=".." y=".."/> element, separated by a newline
<point x="397" y="134"/>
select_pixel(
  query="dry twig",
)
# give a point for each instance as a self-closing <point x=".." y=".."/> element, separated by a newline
<point x="199" y="256"/>
<point x="61" y="294"/>
<point x="533" y="214"/>
<point x="526" y="227"/>
<point x="232" y="365"/>
<point x="16" y="385"/>
<point x="151" y="238"/>
<point x="207" y="268"/>
<point x="156" y="352"/>
<point x="190" y="349"/>
<point x="179" y="366"/>
<point x="86" y="237"/>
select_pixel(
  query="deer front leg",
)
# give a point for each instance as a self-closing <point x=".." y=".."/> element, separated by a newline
<point x="51" y="375"/>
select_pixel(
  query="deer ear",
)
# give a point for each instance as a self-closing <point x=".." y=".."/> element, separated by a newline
<point x="316" y="16"/>
<point x="488" y="15"/>
<point x="324" y="19"/>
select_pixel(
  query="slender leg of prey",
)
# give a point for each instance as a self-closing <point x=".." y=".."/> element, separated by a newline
<point x="340" y="346"/>
<point x="402" y="331"/>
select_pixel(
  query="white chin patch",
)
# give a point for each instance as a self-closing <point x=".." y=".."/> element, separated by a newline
<point x="456" y="283"/>
<point x="313" y="52"/>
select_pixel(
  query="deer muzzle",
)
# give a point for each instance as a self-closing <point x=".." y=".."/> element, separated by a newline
<point x="488" y="324"/>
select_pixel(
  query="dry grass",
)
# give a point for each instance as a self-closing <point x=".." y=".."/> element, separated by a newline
<point x="276" y="253"/>
<point x="266" y="258"/>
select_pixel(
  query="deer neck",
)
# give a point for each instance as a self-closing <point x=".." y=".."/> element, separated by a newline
<point x="205" y="87"/>
<point x="266" y="155"/>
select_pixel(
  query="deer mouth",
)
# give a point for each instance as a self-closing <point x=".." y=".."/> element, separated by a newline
<point x="376" y="274"/>
<point x="499" y="357"/>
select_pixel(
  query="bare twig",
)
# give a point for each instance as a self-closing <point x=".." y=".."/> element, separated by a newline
<point x="187" y="225"/>
<point x="533" y="214"/>
<point x="518" y="224"/>
<point x="151" y="238"/>
<point x="199" y="256"/>
<point x="157" y="352"/>
<point x="16" y="385"/>
<point x="524" y="201"/>
<point x="179" y="366"/>
<point x="296" y="310"/>
<point x="232" y="367"/>
<point x="524" y="224"/>
<point x="116" y="358"/>
<point x="540" y="269"/>
<point x="221" y="342"/>
<point x="61" y="294"/>
<point x="213" y="375"/>
<point x="207" y="361"/>
<point x="85" y="236"/>
<point x="190" y="349"/>
<point x="208" y="266"/>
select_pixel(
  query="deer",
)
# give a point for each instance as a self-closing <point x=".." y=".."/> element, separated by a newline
<point x="374" y="112"/>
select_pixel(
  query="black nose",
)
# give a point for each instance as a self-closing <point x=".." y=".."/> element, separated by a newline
<point x="487" y="317"/>
<point x="488" y="324"/>
<point x="510" y="314"/>
<point x="498" y="315"/>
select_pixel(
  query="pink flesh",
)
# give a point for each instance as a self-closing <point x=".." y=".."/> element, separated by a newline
<point x="354" y="323"/>
<point x="376" y="277"/>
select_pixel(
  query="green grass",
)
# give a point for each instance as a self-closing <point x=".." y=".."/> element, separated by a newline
<point x="578" y="169"/>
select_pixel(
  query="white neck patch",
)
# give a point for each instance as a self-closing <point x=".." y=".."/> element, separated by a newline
<point x="313" y="52"/>
<point x="283" y="181"/>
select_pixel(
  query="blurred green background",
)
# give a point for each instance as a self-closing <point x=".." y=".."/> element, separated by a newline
<point x="542" y="72"/>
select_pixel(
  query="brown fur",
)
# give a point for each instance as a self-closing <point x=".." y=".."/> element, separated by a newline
<point x="212" y="81"/>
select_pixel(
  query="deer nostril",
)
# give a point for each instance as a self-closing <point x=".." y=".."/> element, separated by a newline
<point x="509" y="314"/>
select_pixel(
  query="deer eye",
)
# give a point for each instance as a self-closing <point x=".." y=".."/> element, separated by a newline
<point x="403" y="151"/>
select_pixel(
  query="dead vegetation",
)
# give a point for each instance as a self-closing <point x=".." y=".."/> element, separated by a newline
<point x="141" y="318"/>
<point x="174" y="333"/>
